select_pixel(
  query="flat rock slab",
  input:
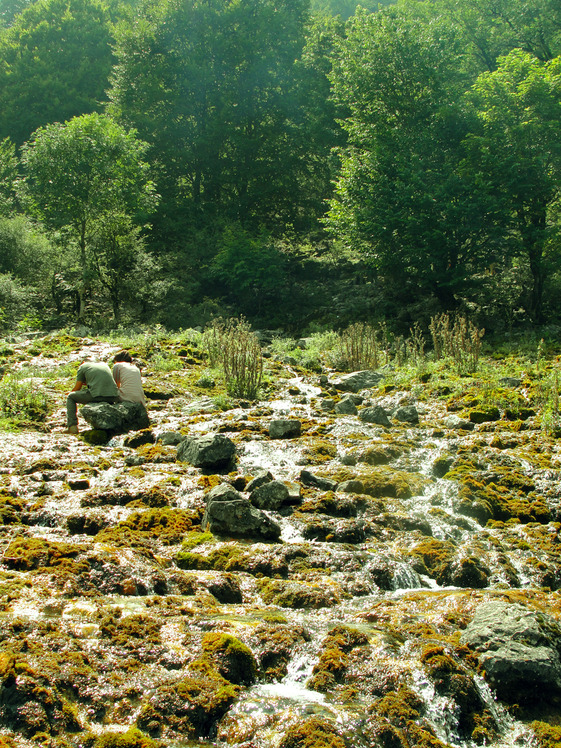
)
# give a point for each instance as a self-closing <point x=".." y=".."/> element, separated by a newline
<point x="116" y="418"/>
<point x="358" y="380"/>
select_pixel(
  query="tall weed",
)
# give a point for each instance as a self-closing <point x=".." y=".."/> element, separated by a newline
<point x="232" y="345"/>
<point x="459" y="340"/>
<point x="21" y="400"/>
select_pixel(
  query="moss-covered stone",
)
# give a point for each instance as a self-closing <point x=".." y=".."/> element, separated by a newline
<point x="233" y="659"/>
<point x="24" y="554"/>
<point x="191" y="707"/>
<point x="132" y="738"/>
<point x="298" y="595"/>
<point x="314" y="732"/>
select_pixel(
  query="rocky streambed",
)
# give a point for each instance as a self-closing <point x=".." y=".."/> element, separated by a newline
<point x="344" y="563"/>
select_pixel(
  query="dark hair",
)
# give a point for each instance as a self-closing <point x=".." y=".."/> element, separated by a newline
<point x="123" y="356"/>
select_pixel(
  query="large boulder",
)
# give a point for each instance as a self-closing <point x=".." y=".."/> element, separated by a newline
<point x="208" y="451"/>
<point x="116" y="418"/>
<point x="407" y="414"/>
<point x="374" y="414"/>
<point x="230" y="514"/>
<point x="285" y="428"/>
<point x="358" y="380"/>
<point x="271" y="495"/>
<point x="518" y="650"/>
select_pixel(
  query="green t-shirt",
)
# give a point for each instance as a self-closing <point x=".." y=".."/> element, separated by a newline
<point x="99" y="379"/>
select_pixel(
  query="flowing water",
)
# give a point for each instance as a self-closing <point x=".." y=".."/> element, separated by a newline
<point x="130" y="620"/>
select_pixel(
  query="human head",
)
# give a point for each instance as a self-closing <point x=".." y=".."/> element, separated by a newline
<point x="123" y="356"/>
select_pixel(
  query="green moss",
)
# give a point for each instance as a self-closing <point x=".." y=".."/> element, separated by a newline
<point x="132" y="738"/>
<point x="191" y="707"/>
<point x="314" y="732"/>
<point x="298" y="595"/>
<point x="546" y="736"/>
<point x="233" y="659"/>
<point x="194" y="538"/>
<point x="25" y="554"/>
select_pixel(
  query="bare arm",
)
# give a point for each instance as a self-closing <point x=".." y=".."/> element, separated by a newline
<point x="77" y="386"/>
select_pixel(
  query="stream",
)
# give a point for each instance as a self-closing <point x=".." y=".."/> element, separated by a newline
<point x="352" y="625"/>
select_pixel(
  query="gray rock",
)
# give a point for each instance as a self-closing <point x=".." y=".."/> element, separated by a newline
<point x="284" y="428"/>
<point x="223" y="492"/>
<point x="309" y="479"/>
<point x="327" y="405"/>
<point x="270" y="495"/>
<point x="358" y="380"/>
<point x="456" y="423"/>
<point x="346" y="406"/>
<point x="351" y="486"/>
<point x="510" y="382"/>
<point x="208" y="451"/>
<point x="228" y="513"/>
<point x="261" y="476"/>
<point x="170" y="438"/>
<point x="374" y="414"/>
<point x="407" y="414"/>
<point x="116" y="418"/>
<point x="518" y="650"/>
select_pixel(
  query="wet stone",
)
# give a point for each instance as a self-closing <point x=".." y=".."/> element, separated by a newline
<point x="358" y="380"/>
<point x="285" y="428"/>
<point x="209" y="451"/>
<point x="271" y="495"/>
<point x="374" y="414"/>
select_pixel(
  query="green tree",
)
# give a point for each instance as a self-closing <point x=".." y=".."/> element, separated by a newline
<point x="54" y="64"/>
<point x="8" y="173"/>
<point x="402" y="197"/>
<point x="209" y="83"/>
<point x="492" y="28"/>
<point x="80" y="174"/>
<point x="518" y="152"/>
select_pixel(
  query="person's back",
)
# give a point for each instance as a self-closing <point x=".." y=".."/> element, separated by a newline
<point x="128" y="380"/>
<point x="98" y="378"/>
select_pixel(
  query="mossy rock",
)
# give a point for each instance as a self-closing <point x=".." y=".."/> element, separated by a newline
<point x="454" y="680"/>
<point x="131" y="630"/>
<point x="153" y="497"/>
<point x="434" y="557"/>
<point x="132" y="738"/>
<point x="231" y="557"/>
<point x="319" y="452"/>
<point x="335" y="504"/>
<point x="380" y="455"/>
<point x="25" y="554"/>
<point x="11" y="509"/>
<point x="233" y="659"/>
<point x="383" y="482"/>
<point x="30" y="705"/>
<point x="275" y="645"/>
<point x="191" y="707"/>
<point x="298" y="595"/>
<point x="546" y="736"/>
<point x="314" y="732"/>
<point x="484" y="415"/>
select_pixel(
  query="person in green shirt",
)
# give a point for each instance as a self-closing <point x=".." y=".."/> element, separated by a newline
<point x="94" y="384"/>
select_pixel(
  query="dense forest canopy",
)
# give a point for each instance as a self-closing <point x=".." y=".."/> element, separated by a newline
<point x="304" y="164"/>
